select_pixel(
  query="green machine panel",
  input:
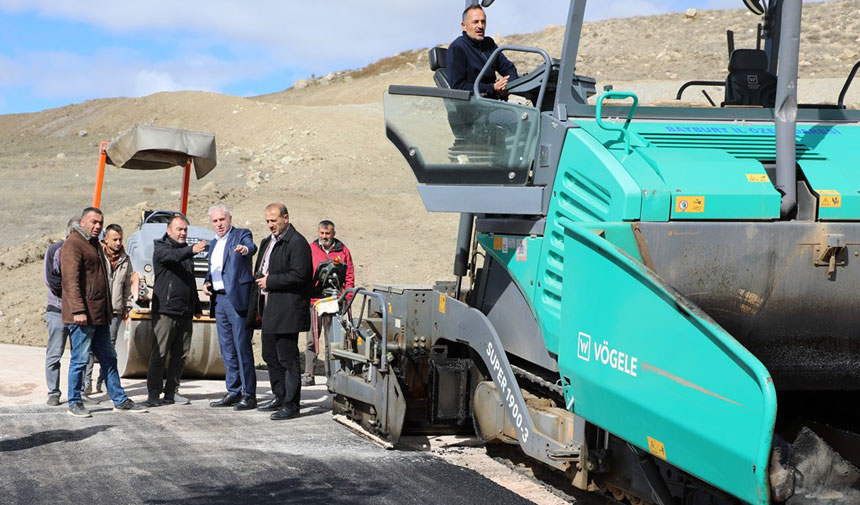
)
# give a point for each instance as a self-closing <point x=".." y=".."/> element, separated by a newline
<point x="649" y="367"/>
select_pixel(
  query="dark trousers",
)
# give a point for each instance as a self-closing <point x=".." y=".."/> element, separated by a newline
<point x="281" y="352"/>
<point x="172" y="341"/>
<point x="236" y="352"/>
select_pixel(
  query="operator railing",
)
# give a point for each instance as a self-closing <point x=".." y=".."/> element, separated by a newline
<point x="841" y="103"/>
<point x="697" y="83"/>
<point x="547" y="72"/>
<point x="368" y="356"/>
<point x="547" y="69"/>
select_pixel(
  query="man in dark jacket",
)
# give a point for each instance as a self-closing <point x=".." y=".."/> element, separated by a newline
<point x="468" y="54"/>
<point x="87" y="312"/>
<point x="285" y="279"/>
<point x="174" y="304"/>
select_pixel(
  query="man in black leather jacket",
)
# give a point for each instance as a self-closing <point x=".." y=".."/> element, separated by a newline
<point x="174" y="303"/>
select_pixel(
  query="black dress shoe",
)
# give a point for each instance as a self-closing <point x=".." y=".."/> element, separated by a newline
<point x="227" y="401"/>
<point x="269" y="405"/>
<point x="246" y="403"/>
<point x="284" y="413"/>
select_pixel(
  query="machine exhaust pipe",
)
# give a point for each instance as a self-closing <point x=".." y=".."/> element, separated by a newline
<point x="785" y="110"/>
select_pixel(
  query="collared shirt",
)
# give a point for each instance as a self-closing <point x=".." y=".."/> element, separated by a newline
<point x="264" y="267"/>
<point x="218" y="261"/>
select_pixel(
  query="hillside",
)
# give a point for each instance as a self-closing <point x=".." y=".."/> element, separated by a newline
<point x="320" y="147"/>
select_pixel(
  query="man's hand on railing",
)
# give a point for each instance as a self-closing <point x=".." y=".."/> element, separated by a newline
<point x="500" y="86"/>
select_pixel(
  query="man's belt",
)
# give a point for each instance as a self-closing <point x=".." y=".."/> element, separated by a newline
<point x="219" y="292"/>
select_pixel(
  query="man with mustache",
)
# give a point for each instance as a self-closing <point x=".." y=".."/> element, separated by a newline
<point x="284" y="281"/>
<point x="325" y="248"/>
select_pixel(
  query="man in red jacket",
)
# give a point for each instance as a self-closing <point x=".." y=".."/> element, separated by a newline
<point x="325" y="247"/>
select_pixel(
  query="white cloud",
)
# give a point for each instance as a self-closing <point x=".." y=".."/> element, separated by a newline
<point x="118" y="72"/>
<point x="317" y="34"/>
<point x="261" y="38"/>
<point x="152" y="81"/>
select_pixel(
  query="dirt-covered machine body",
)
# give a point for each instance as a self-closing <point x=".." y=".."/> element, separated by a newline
<point x="145" y="147"/>
<point x="648" y="286"/>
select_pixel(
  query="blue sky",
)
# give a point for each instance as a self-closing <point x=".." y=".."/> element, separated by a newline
<point x="57" y="52"/>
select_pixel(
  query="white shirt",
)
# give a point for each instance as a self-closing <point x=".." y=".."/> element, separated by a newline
<point x="218" y="262"/>
<point x="264" y="267"/>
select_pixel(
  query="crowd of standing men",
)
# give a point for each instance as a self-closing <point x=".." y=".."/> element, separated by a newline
<point x="89" y="284"/>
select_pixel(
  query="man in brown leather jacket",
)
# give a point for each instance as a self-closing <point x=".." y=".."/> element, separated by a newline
<point x="87" y="312"/>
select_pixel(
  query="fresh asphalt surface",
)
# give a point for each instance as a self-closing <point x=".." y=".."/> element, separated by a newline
<point x="200" y="455"/>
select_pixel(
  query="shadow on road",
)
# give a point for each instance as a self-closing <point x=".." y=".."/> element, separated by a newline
<point x="50" y="437"/>
<point x="290" y="490"/>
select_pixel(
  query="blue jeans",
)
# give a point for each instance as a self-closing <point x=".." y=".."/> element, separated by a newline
<point x="88" y="374"/>
<point x="57" y="336"/>
<point x="97" y="339"/>
<point x="235" y="342"/>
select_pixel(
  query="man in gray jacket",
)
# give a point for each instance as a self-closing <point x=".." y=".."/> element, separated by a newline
<point x="118" y="265"/>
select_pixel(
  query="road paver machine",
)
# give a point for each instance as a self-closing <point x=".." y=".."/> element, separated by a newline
<point x="659" y="301"/>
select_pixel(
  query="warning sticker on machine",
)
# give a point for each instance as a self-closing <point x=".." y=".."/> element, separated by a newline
<point x="689" y="204"/>
<point x="656" y="448"/>
<point x="829" y="198"/>
<point x="758" y="178"/>
<point x="522" y="251"/>
<point x="498" y="243"/>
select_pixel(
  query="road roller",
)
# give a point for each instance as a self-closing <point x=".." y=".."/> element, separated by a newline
<point x="146" y="147"/>
<point x="659" y="301"/>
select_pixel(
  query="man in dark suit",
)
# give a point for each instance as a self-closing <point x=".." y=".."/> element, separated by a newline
<point x="285" y="280"/>
<point x="228" y="283"/>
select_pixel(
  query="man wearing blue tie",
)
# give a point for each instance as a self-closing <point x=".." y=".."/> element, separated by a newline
<point x="228" y="283"/>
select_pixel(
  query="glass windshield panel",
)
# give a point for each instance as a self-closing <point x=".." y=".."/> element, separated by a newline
<point x="474" y="141"/>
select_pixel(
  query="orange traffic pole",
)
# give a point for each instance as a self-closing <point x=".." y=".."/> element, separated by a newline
<point x="100" y="176"/>
<point x="186" y="180"/>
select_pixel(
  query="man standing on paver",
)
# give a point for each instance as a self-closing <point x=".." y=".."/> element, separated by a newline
<point x="57" y="332"/>
<point x="174" y="305"/>
<point x="229" y="281"/>
<point x="87" y="311"/>
<point x="285" y="279"/>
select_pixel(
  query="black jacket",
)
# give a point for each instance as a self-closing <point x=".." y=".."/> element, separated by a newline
<point x="466" y="57"/>
<point x="175" y="291"/>
<point x="288" y="285"/>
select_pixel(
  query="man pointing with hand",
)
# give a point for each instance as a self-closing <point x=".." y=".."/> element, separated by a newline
<point x="229" y="281"/>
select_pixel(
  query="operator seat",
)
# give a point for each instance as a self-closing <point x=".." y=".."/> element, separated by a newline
<point x="462" y="117"/>
<point x="438" y="61"/>
<point x="749" y="82"/>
